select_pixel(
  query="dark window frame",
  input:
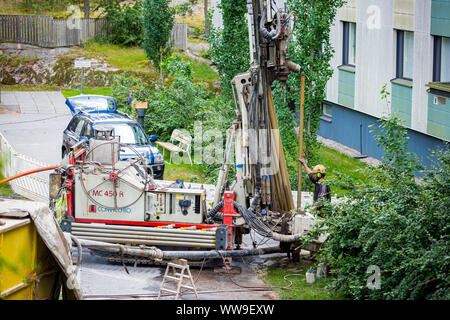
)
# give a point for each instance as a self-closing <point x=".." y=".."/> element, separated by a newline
<point x="400" y="55"/>
<point x="346" y="43"/>
<point x="437" y="58"/>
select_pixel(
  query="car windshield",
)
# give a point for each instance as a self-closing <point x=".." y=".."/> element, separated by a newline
<point x="90" y="103"/>
<point x="130" y="133"/>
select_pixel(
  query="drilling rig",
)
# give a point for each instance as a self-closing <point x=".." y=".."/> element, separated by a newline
<point x="118" y="202"/>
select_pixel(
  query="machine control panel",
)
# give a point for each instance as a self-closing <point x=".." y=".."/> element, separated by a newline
<point x="175" y="205"/>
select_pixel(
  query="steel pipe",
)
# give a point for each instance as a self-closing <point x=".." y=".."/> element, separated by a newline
<point x="137" y="228"/>
<point x="151" y="242"/>
<point x="142" y="233"/>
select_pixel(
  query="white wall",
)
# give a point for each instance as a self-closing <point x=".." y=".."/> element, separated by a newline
<point x="375" y="55"/>
<point x="336" y="60"/>
<point x="423" y="64"/>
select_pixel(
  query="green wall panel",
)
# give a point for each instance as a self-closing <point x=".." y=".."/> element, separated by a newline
<point x="346" y="91"/>
<point x="440" y="18"/>
<point x="402" y="102"/>
<point x="438" y="119"/>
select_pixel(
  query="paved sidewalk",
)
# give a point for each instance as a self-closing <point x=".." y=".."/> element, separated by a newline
<point x="33" y="123"/>
<point x="34" y="102"/>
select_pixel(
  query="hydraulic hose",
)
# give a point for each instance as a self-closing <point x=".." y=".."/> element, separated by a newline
<point x="28" y="173"/>
<point x="214" y="213"/>
<point x="272" y="34"/>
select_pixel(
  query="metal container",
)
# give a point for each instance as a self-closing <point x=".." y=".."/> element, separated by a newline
<point x="28" y="270"/>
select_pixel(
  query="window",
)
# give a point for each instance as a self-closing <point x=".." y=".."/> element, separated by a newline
<point x="87" y="132"/>
<point x="130" y="133"/>
<point x="405" y="54"/>
<point x="327" y="114"/>
<point x="349" y="44"/>
<point x="441" y="59"/>
<point x="79" y="127"/>
<point x="73" y="124"/>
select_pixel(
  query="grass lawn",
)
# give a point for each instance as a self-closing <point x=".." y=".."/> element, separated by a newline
<point x="124" y="58"/>
<point x="201" y="70"/>
<point x="135" y="59"/>
<point x="5" y="189"/>
<point x="336" y="162"/>
<point x="293" y="276"/>
<point x="69" y="92"/>
<point x="185" y="171"/>
<point x="29" y="87"/>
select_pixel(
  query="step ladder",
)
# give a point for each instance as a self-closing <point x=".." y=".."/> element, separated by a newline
<point x="178" y="277"/>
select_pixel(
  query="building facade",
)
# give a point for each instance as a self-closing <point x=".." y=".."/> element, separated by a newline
<point x="403" y="46"/>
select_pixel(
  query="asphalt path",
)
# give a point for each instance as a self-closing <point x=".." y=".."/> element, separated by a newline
<point x="33" y="123"/>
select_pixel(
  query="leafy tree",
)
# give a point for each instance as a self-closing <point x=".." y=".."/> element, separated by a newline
<point x="125" y="22"/>
<point x="394" y="223"/>
<point x="229" y="46"/>
<point x="158" y="24"/>
<point x="312" y="50"/>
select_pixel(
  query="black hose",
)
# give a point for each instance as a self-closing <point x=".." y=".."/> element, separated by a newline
<point x="272" y="34"/>
<point x="214" y="214"/>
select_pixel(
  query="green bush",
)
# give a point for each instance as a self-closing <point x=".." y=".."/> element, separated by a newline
<point x="175" y="66"/>
<point x="396" y="224"/>
<point x="125" y="22"/>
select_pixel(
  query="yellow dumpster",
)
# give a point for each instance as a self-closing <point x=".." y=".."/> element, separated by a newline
<point x="28" y="270"/>
<point x="35" y="257"/>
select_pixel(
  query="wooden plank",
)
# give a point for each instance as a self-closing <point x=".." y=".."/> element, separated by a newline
<point x="287" y="202"/>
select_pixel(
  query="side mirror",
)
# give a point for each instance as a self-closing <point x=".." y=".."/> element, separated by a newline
<point x="153" y="138"/>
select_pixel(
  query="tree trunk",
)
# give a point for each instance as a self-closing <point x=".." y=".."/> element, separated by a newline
<point x="86" y="9"/>
<point x="206" y="16"/>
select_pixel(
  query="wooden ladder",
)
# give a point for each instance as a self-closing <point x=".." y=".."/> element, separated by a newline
<point x="178" y="277"/>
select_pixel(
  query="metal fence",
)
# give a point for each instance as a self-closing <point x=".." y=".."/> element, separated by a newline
<point x="44" y="31"/>
<point x="35" y="186"/>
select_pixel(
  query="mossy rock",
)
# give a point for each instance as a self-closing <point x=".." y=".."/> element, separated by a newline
<point x="8" y="80"/>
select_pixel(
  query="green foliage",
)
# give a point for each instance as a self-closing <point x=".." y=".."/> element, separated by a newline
<point x="312" y="50"/>
<point x="38" y="6"/>
<point x="180" y="104"/>
<point x="185" y="9"/>
<point x="391" y="135"/>
<point x="125" y="22"/>
<point x="396" y="224"/>
<point x="158" y="24"/>
<point x="123" y="86"/>
<point x="176" y="66"/>
<point x="229" y="46"/>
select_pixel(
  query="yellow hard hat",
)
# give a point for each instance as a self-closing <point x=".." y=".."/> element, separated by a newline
<point x="319" y="170"/>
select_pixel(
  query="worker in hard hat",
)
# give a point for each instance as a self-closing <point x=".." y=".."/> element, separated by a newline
<point x="317" y="176"/>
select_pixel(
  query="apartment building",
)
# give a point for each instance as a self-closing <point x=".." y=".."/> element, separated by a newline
<point x="403" y="45"/>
